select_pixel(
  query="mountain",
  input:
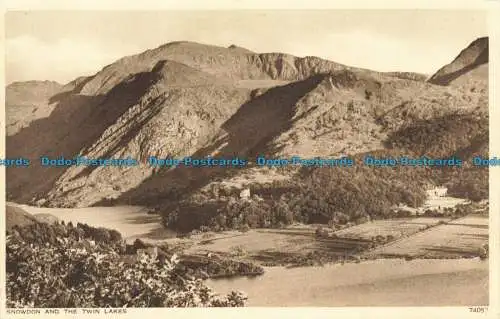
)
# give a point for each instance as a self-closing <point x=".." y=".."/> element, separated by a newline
<point x="28" y="101"/>
<point x="469" y="68"/>
<point x="186" y="98"/>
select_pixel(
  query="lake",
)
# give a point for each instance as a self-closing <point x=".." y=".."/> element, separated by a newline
<point x="382" y="282"/>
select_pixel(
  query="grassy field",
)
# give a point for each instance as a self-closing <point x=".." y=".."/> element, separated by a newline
<point x="462" y="237"/>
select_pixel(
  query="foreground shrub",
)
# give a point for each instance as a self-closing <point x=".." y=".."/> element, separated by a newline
<point x="69" y="274"/>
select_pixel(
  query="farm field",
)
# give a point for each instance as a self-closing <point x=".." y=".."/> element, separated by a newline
<point x="462" y="237"/>
<point x="396" y="228"/>
<point x="255" y="241"/>
<point x="299" y="240"/>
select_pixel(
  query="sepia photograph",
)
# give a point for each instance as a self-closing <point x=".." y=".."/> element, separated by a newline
<point x="246" y="158"/>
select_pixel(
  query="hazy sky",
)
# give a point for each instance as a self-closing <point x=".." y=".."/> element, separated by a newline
<point x="62" y="45"/>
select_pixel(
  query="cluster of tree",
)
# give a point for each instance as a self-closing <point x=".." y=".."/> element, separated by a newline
<point x="253" y="214"/>
<point x="442" y="136"/>
<point x="230" y="214"/>
<point x="216" y="267"/>
<point x="335" y="195"/>
<point x="217" y="190"/>
<point x="64" y="273"/>
<point x="470" y="183"/>
<point x="348" y="194"/>
<point x="452" y="212"/>
<point x="41" y="233"/>
<point x="200" y="266"/>
<point x="460" y="135"/>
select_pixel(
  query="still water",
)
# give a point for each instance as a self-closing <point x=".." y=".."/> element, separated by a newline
<point x="384" y="282"/>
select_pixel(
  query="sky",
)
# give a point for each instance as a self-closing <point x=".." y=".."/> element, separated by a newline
<point x="63" y="45"/>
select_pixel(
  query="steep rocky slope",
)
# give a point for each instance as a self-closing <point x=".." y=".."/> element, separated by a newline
<point x="469" y="68"/>
<point x="467" y="133"/>
<point x="186" y="98"/>
<point x="28" y="101"/>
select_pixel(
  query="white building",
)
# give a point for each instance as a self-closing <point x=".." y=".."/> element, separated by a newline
<point x="437" y="192"/>
<point x="245" y="194"/>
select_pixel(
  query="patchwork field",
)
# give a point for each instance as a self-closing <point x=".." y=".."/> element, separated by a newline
<point x="296" y="239"/>
<point x="279" y="245"/>
<point x="463" y="237"/>
<point x="396" y="228"/>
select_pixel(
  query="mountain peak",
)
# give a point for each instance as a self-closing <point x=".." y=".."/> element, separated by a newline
<point x="470" y="59"/>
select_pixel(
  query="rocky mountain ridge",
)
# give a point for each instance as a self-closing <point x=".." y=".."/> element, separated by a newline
<point x="185" y="98"/>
